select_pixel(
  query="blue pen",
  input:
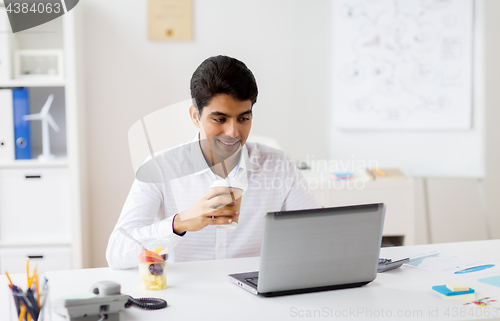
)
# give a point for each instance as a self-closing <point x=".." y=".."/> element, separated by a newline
<point x="30" y="295"/>
<point x="44" y="294"/>
<point x="16" y="298"/>
<point x="475" y="269"/>
<point x="13" y="288"/>
<point x="27" y="303"/>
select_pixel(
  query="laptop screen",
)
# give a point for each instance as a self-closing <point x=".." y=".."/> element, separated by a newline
<point x="320" y="247"/>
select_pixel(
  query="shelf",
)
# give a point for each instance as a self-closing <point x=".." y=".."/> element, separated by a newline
<point x="62" y="175"/>
<point x="34" y="163"/>
<point x="33" y="243"/>
<point x="33" y="83"/>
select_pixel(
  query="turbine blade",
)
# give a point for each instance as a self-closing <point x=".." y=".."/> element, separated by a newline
<point x="52" y="123"/>
<point x="48" y="103"/>
<point x="32" y="117"/>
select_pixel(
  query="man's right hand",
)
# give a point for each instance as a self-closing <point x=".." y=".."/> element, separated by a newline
<point x="206" y="211"/>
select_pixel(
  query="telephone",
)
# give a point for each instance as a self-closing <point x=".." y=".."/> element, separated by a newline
<point x="103" y="302"/>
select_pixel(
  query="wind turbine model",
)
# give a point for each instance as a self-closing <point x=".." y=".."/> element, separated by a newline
<point x="47" y="120"/>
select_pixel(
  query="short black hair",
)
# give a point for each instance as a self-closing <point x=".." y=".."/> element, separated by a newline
<point x="222" y="75"/>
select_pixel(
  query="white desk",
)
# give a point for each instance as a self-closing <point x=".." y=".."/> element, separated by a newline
<point x="202" y="290"/>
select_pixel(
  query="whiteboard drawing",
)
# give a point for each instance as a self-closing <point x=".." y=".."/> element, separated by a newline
<point x="402" y="64"/>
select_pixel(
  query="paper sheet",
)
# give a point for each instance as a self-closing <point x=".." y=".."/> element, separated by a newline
<point x="450" y="264"/>
<point x="494" y="280"/>
<point x="402" y="64"/>
<point x="170" y="20"/>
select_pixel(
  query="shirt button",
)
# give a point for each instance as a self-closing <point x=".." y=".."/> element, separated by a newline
<point x="221" y="245"/>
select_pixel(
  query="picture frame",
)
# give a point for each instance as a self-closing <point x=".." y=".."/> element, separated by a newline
<point x="39" y="64"/>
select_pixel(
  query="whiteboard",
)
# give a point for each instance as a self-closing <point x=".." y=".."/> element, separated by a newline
<point x="434" y="152"/>
<point x="402" y="64"/>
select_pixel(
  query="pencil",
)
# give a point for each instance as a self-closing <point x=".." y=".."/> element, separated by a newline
<point x="37" y="291"/>
<point x="23" y="313"/>
<point x="378" y="171"/>
<point x="37" y="288"/>
<point x="28" y="270"/>
<point x="29" y="282"/>
<point x="31" y="299"/>
<point x="8" y="277"/>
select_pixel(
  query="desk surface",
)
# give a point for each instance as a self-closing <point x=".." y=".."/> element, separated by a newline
<point x="203" y="289"/>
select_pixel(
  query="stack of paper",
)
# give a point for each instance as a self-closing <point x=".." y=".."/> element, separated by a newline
<point x="457" y="291"/>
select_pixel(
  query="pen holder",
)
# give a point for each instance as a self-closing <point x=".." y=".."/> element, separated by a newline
<point x="16" y="299"/>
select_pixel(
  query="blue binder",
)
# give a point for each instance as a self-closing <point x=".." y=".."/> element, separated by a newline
<point x="21" y="127"/>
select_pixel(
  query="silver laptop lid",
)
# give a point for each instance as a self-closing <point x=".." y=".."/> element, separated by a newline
<point x="320" y="247"/>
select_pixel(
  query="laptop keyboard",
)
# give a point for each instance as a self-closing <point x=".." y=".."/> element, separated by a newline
<point x="252" y="281"/>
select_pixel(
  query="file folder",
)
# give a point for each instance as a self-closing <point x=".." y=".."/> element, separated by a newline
<point x="7" y="153"/>
<point x="21" y="127"/>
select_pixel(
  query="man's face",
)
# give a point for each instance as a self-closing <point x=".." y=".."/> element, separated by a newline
<point x="224" y="124"/>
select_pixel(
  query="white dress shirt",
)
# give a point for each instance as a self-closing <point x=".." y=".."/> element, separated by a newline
<point x="175" y="179"/>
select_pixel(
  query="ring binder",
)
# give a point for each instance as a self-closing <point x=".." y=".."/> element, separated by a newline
<point x="21" y="127"/>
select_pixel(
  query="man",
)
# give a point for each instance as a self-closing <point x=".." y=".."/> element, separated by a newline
<point x="171" y="197"/>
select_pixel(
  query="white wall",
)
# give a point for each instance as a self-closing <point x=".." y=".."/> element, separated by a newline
<point x="285" y="44"/>
<point x="455" y="204"/>
<point x="127" y="76"/>
<point x="492" y="181"/>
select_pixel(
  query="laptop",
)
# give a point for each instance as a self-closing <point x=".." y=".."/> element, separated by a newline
<point x="317" y="250"/>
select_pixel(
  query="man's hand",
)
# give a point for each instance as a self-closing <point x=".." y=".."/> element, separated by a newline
<point x="206" y="211"/>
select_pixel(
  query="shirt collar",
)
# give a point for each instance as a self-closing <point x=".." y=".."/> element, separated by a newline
<point x="200" y="164"/>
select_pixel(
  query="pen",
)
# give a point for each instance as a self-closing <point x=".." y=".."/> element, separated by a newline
<point x="34" y="310"/>
<point x="16" y="299"/>
<point x="23" y="300"/>
<point x="26" y="299"/>
<point x="45" y="290"/>
<point x="475" y="268"/>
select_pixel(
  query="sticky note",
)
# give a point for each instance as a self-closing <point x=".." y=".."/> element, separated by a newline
<point x="457" y="287"/>
<point x="444" y="290"/>
<point x="465" y="297"/>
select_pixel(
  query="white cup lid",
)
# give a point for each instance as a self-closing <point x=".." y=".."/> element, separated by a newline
<point x="230" y="183"/>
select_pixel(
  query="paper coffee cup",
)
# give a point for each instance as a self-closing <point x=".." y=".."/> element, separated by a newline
<point x="238" y="190"/>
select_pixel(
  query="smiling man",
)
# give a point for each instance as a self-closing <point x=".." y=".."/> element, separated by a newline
<point x="182" y="207"/>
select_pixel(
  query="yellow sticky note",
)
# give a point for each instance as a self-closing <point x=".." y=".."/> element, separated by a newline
<point x="465" y="297"/>
<point x="455" y="287"/>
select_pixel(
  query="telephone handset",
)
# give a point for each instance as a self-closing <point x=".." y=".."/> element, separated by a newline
<point x="103" y="302"/>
